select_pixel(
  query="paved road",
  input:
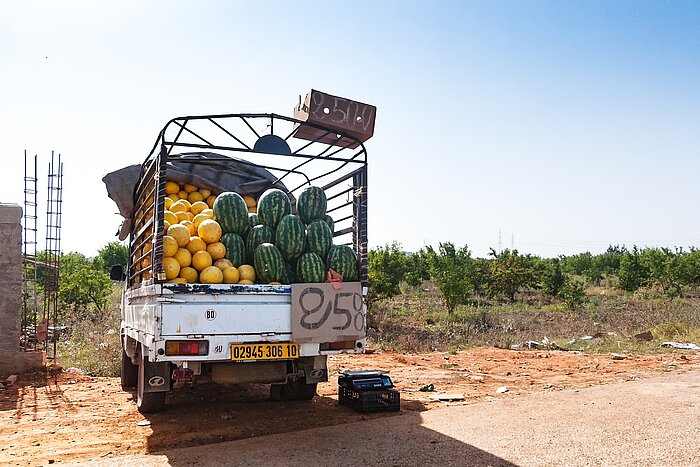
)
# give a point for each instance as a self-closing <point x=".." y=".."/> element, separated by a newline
<point x="650" y="422"/>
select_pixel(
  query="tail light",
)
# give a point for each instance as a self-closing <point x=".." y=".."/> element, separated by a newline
<point x="186" y="348"/>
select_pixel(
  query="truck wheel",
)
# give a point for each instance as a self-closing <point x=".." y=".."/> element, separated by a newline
<point x="147" y="402"/>
<point x="129" y="373"/>
<point x="297" y="390"/>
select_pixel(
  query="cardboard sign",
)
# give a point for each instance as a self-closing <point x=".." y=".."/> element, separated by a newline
<point x="321" y="313"/>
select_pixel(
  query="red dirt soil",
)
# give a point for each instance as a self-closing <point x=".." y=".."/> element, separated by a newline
<point x="66" y="417"/>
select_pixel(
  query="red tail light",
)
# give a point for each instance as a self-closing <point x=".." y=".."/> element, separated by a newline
<point x="186" y="348"/>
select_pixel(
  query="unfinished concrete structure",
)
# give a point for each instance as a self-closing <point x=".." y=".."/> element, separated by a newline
<point x="12" y="360"/>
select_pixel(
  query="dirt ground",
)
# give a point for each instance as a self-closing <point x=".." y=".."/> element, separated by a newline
<point x="65" y="418"/>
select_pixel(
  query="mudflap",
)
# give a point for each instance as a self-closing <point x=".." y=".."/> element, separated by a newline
<point x="156" y="376"/>
<point x="315" y="368"/>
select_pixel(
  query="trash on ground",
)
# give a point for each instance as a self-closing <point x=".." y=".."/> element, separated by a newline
<point x="430" y="387"/>
<point x="617" y="356"/>
<point x="644" y="336"/>
<point x="546" y="344"/>
<point x="501" y="390"/>
<point x="679" y="345"/>
<point x="144" y="423"/>
<point x="448" y="397"/>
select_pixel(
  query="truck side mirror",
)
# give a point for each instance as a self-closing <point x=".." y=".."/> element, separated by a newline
<point x="116" y="273"/>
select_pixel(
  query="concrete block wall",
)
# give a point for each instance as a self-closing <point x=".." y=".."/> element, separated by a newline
<point x="11" y="359"/>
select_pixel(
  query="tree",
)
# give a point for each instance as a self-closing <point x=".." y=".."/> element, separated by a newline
<point x="387" y="266"/>
<point x="82" y="284"/>
<point x="553" y="278"/>
<point x="452" y="270"/>
<point x="631" y="273"/>
<point x="509" y="271"/>
<point x="113" y="253"/>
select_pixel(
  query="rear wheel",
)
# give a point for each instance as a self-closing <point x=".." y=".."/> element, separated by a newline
<point x="129" y="372"/>
<point x="147" y="402"/>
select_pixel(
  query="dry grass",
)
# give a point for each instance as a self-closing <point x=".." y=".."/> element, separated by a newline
<point x="417" y="321"/>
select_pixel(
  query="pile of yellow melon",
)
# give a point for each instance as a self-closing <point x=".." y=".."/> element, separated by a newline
<point x="192" y="252"/>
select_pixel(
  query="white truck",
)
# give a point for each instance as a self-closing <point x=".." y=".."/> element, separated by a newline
<point x="176" y="334"/>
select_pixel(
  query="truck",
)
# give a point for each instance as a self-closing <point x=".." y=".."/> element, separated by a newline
<point x="176" y="334"/>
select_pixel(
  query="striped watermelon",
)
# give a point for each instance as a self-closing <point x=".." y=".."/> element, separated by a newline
<point x="235" y="248"/>
<point x="329" y="220"/>
<point x="231" y="212"/>
<point x="290" y="237"/>
<point x="311" y="204"/>
<point x="259" y="234"/>
<point x="273" y="205"/>
<point x="269" y="264"/>
<point x="342" y="259"/>
<point x="288" y="276"/>
<point x="310" y="268"/>
<point x="318" y="238"/>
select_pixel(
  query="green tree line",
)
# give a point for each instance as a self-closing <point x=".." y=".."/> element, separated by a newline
<point x="503" y="275"/>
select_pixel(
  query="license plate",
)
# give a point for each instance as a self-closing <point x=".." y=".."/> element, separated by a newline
<point x="249" y="352"/>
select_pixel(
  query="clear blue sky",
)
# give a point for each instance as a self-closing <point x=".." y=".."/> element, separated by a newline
<point x="567" y="126"/>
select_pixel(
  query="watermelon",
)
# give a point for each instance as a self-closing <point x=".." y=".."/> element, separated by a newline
<point x="342" y="259"/>
<point x="235" y="248"/>
<point x="290" y="237"/>
<point x="259" y="234"/>
<point x="318" y="238"/>
<point x="329" y="220"/>
<point x="310" y="268"/>
<point x="269" y="264"/>
<point x="253" y="220"/>
<point x="311" y="204"/>
<point x="231" y="212"/>
<point x="288" y="276"/>
<point x="273" y="205"/>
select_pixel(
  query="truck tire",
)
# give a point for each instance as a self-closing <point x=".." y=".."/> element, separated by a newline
<point x="129" y="373"/>
<point x="297" y="390"/>
<point x="147" y="402"/>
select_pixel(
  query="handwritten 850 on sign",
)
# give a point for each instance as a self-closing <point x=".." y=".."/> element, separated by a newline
<point x="322" y="314"/>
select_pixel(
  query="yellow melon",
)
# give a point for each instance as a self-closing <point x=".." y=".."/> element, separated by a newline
<point x="249" y="201"/>
<point x="171" y="217"/>
<point x="147" y="247"/>
<point x="209" y="230"/>
<point x="184" y="257"/>
<point x="196" y="244"/>
<point x="199" y="218"/>
<point x="182" y="194"/>
<point x="178" y="280"/>
<point x="195" y="197"/>
<point x="211" y="275"/>
<point x="182" y="216"/>
<point x="201" y="260"/>
<point x="170" y="246"/>
<point x="190" y="226"/>
<point x="190" y="216"/>
<point x="171" y="267"/>
<point x="208" y="212"/>
<point x="275" y="283"/>
<point x="210" y="200"/>
<point x="245" y="281"/>
<point x="205" y="193"/>
<point x="198" y="206"/>
<point x="246" y="272"/>
<point x="231" y="275"/>
<point x="189" y="274"/>
<point x="179" y="206"/>
<point x="223" y="263"/>
<point x="171" y="188"/>
<point x="216" y="250"/>
<point x="190" y="188"/>
<point x="180" y="233"/>
<point x="168" y="202"/>
<point x="174" y="197"/>
<point x="253" y="210"/>
<point x="166" y="226"/>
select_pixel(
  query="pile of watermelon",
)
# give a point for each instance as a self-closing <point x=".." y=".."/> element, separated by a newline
<point x="283" y="247"/>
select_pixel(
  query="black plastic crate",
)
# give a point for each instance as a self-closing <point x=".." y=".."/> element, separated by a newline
<point x="368" y="391"/>
<point x="383" y="400"/>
